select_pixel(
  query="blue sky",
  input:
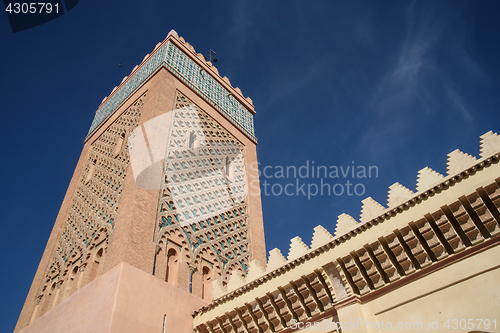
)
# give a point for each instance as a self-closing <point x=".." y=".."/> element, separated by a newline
<point x="392" y="84"/>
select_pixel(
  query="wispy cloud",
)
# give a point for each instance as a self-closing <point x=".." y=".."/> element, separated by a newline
<point x="460" y="106"/>
<point x="425" y="78"/>
<point x="432" y="54"/>
<point x="403" y="82"/>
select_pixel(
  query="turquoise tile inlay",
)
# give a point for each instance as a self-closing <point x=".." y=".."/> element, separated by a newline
<point x="190" y="73"/>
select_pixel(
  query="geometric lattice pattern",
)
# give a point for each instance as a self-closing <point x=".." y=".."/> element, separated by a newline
<point x="225" y="234"/>
<point x="190" y="73"/>
<point x="204" y="180"/>
<point x="90" y="218"/>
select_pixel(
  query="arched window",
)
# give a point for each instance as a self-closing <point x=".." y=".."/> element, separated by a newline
<point x="49" y="298"/>
<point x="94" y="265"/>
<point x="172" y="267"/>
<point x="98" y="256"/>
<point x="206" y="288"/>
<point x="74" y="279"/>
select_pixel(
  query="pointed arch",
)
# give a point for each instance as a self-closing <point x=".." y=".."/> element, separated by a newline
<point x="206" y="287"/>
<point x="172" y="267"/>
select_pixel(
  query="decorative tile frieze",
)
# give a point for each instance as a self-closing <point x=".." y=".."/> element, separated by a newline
<point x="188" y="71"/>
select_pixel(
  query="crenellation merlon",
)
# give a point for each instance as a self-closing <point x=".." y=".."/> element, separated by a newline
<point x="255" y="270"/>
<point x="235" y="281"/>
<point x="345" y="223"/>
<point x="370" y="209"/>
<point x="321" y="236"/>
<point x="426" y="178"/>
<point x="458" y="161"/>
<point x="398" y="194"/>
<point x="297" y="248"/>
<point x="211" y="66"/>
<point x="489" y="144"/>
<point x="276" y="259"/>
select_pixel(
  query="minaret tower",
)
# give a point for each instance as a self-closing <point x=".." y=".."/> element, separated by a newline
<point x="164" y="199"/>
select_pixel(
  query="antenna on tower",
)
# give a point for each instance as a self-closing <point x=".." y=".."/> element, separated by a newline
<point x="210" y="56"/>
